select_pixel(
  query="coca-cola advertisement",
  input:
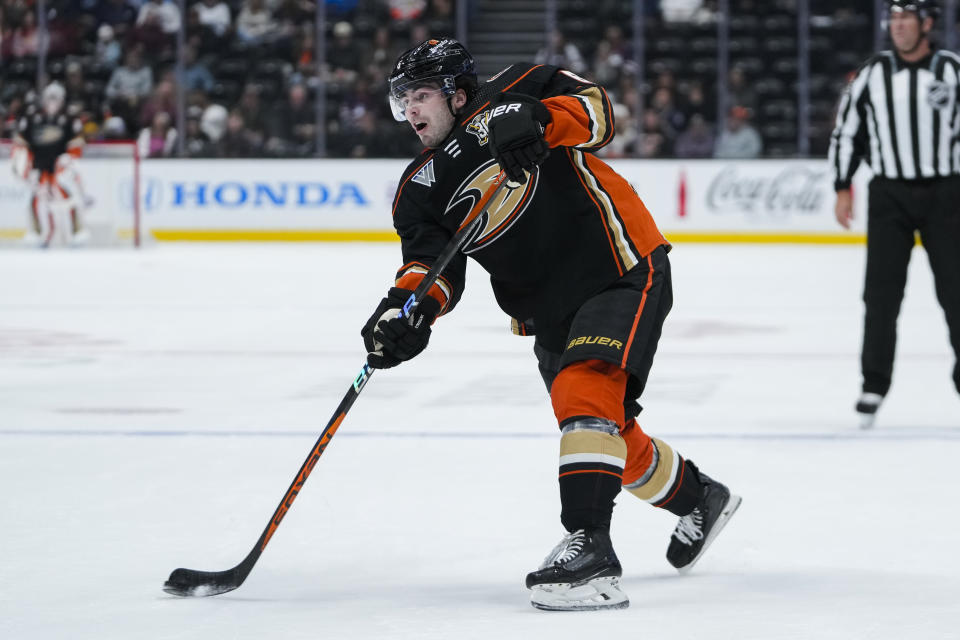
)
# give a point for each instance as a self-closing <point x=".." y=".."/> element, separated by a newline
<point x="795" y="190"/>
<point x="751" y="198"/>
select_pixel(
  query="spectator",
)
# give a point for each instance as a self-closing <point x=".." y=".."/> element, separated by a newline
<point x="195" y="73"/>
<point x="694" y="100"/>
<point x="380" y="55"/>
<point x="214" y="17"/>
<point x="163" y="99"/>
<point x="679" y="10"/>
<point x="739" y="90"/>
<point x="562" y="54"/>
<point x="672" y="119"/>
<point x="255" y="24"/>
<point x="159" y="139"/>
<point x="697" y="141"/>
<point x="406" y="10"/>
<point x="82" y="100"/>
<point x="295" y="12"/>
<point x="254" y="117"/>
<point x="107" y="52"/>
<point x="619" y="46"/>
<point x="606" y="65"/>
<point x="237" y="141"/>
<point x="157" y="25"/>
<point x="344" y="8"/>
<point x="738" y="140"/>
<point x="652" y="141"/>
<point x="161" y="15"/>
<point x="625" y="136"/>
<point x="293" y="129"/>
<point x="196" y="143"/>
<point x="439" y="16"/>
<point x="114" y="128"/>
<point x="129" y="85"/>
<point x="119" y="15"/>
<point x="25" y="41"/>
<point x="213" y="122"/>
<point x="344" y="57"/>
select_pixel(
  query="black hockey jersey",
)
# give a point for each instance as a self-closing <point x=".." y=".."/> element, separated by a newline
<point x="48" y="137"/>
<point x="574" y="228"/>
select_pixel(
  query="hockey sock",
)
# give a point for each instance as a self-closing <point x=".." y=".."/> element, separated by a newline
<point x="657" y="474"/>
<point x="592" y="455"/>
<point x="587" y="399"/>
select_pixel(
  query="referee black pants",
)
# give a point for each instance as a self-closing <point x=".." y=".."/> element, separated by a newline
<point x="896" y="210"/>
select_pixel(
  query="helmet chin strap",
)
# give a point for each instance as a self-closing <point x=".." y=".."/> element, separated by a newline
<point x="450" y="106"/>
<point x="923" y="36"/>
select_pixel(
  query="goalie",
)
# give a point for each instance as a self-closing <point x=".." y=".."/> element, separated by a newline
<point x="45" y="149"/>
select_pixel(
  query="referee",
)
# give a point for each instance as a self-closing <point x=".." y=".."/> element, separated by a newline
<point x="900" y="113"/>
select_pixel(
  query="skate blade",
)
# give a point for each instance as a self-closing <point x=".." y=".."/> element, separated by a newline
<point x="733" y="503"/>
<point x="867" y="420"/>
<point x="596" y="594"/>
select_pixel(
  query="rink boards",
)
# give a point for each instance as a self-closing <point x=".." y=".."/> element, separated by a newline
<point x="349" y="200"/>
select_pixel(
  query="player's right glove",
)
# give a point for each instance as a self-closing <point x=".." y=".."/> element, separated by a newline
<point x="391" y="340"/>
<point x="516" y="129"/>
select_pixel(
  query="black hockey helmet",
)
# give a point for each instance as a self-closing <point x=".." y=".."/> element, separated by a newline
<point x="923" y="8"/>
<point x="446" y="63"/>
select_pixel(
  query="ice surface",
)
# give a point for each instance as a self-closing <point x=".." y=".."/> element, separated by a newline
<point x="155" y="405"/>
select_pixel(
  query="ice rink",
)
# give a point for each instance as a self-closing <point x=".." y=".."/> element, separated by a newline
<point x="155" y="405"/>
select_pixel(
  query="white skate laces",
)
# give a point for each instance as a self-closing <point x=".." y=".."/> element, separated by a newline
<point x="689" y="528"/>
<point x="567" y="549"/>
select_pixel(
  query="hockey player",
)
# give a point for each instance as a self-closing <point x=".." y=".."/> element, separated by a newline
<point x="576" y="259"/>
<point x="45" y="148"/>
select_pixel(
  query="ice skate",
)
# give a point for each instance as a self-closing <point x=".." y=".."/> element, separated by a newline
<point x="697" y="530"/>
<point x="582" y="573"/>
<point x="80" y="239"/>
<point x="867" y="406"/>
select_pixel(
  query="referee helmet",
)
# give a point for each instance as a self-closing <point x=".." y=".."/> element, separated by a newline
<point x="923" y="8"/>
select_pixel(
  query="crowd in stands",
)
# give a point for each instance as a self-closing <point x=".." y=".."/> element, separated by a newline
<point x="247" y="70"/>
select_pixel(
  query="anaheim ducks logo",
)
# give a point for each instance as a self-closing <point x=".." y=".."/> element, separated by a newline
<point x="502" y="212"/>
<point x="478" y="127"/>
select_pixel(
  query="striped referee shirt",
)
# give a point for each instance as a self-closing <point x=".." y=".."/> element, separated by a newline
<point x="901" y="117"/>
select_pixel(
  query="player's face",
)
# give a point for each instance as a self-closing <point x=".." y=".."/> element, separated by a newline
<point x="426" y="110"/>
<point x="906" y="30"/>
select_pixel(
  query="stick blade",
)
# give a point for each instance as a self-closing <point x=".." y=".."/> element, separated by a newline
<point x="188" y="583"/>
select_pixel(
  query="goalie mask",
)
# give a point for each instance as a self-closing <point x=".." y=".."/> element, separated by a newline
<point x="434" y="65"/>
<point x="52" y="98"/>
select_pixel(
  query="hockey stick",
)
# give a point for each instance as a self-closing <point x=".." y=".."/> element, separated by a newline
<point x="190" y="582"/>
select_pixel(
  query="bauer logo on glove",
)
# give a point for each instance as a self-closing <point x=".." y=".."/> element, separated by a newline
<point x="516" y="126"/>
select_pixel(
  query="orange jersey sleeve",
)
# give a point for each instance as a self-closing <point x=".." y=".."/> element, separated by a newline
<point x="583" y="120"/>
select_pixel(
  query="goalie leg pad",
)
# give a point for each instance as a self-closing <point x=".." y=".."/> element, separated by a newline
<point x="21" y="161"/>
<point x="68" y="181"/>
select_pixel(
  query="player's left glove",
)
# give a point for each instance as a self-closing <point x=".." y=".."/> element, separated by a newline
<point x="391" y="340"/>
<point x="516" y="127"/>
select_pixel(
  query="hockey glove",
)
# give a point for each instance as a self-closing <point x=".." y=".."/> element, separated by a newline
<point x="391" y="340"/>
<point x="516" y="128"/>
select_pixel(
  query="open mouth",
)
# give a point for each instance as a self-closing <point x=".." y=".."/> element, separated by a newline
<point x="419" y="126"/>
